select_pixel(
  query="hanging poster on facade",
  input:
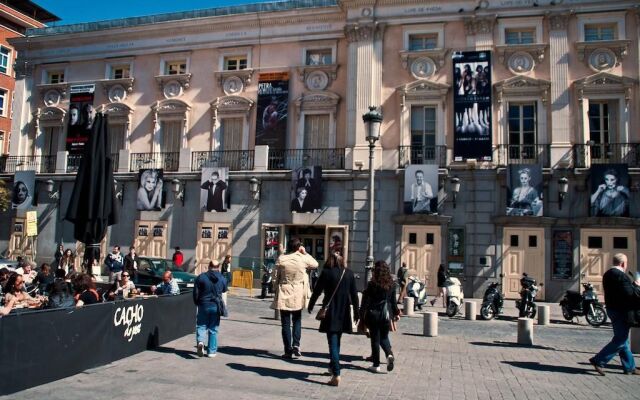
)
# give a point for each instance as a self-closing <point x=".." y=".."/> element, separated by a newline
<point x="472" y="105"/>
<point x="609" y="190"/>
<point x="524" y="190"/>
<point x="455" y="253"/>
<point x="306" y="190"/>
<point x="562" y="267"/>
<point x="273" y="104"/>
<point x="150" y="195"/>
<point x="271" y="245"/>
<point x="24" y="183"/>
<point x="213" y="189"/>
<point x="421" y="189"/>
<point x="81" y="116"/>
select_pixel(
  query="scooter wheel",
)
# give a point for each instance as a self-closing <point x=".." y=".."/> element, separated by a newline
<point x="598" y="317"/>
<point x="452" y="309"/>
<point x="566" y="313"/>
<point x="487" y="312"/>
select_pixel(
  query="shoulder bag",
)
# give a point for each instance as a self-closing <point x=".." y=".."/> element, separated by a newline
<point x="322" y="313"/>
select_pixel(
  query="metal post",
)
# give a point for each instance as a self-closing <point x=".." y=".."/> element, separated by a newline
<point x="369" y="266"/>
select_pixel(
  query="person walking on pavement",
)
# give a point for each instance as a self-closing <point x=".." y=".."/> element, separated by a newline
<point x="131" y="264"/>
<point x="403" y="277"/>
<point x="115" y="265"/>
<point x="207" y="296"/>
<point x="622" y="298"/>
<point x="443" y="275"/>
<point x="340" y="294"/>
<point x="377" y="311"/>
<point x="226" y="268"/>
<point x="292" y="293"/>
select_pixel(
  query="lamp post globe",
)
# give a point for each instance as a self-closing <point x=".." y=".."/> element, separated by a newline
<point x="372" y="122"/>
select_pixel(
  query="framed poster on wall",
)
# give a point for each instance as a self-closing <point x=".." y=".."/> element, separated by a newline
<point x="562" y="266"/>
<point x="455" y="251"/>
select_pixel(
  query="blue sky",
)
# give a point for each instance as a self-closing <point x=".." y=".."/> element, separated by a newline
<point x="74" y="11"/>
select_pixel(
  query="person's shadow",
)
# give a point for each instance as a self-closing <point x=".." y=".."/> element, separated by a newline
<point x="273" y="372"/>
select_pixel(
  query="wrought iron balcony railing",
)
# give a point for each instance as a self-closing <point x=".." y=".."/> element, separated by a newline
<point x="507" y="154"/>
<point x="296" y="158"/>
<point x="73" y="162"/>
<point x="235" y="160"/>
<point x="41" y="164"/>
<point x="606" y="153"/>
<point x="166" y="161"/>
<point x="422" y="155"/>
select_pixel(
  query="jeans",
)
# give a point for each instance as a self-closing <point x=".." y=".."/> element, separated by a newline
<point x="208" y="320"/>
<point x="379" y="335"/>
<point x="285" y="319"/>
<point x="333" y="338"/>
<point x="619" y="344"/>
<point x="115" y="276"/>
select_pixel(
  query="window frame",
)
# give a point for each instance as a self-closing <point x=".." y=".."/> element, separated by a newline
<point x="51" y="74"/>
<point x="238" y="60"/>
<point x="613" y="18"/>
<point x="427" y="29"/>
<point x="520" y="24"/>
<point x="324" y="45"/>
<point x="232" y="53"/>
<point x="519" y="32"/>
<point x="425" y="36"/>
<point x="4" y="101"/>
<point x="183" y="57"/>
<point x="8" y="58"/>
<point x="113" y="64"/>
<point x="524" y="151"/>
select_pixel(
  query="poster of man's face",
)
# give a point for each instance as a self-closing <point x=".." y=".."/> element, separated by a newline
<point x="610" y="194"/>
<point x="524" y="190"/>
<point x="150" y="195"/>
<point x="306" y="190"/>
<point x="81" y="116"/>
<point x="421" y="189"/>
<point x="213" y="189"/>
<point x="23" y="189"/>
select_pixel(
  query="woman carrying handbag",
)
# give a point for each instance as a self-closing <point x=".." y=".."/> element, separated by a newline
<point x="340" y="294"/>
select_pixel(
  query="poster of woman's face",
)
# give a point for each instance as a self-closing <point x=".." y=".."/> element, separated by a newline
<point x="610" y="194"/>
<point x="214" y="189"/>
<point x="306" y="190"/>
<point x="421" y="189"/>
<point x="524" y="190"/>
<point x="336" y="241"/>
<point x="23" y="189"/>
<point x="150" y="190"/>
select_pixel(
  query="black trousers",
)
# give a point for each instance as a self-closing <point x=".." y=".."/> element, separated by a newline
<point x="379" y="335"/>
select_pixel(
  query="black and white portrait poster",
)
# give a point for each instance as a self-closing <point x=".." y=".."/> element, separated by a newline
<point x="472" y="105"/>
<point x="421" y="189"/>
<point x="150" y="194"/>
<point x="524" y="190"/>
<point x="213" y="189"/>
<point x="306" y="190"/>
<point x="81" y="116"/>
<point x="273" y="104"/>
<point x="609" y="190"/>
<point x="23" y="189"/>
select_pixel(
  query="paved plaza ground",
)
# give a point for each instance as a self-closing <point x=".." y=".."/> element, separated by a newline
<point x="468" y="360"/>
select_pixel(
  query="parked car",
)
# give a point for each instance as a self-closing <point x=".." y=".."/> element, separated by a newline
<point x="150" y="270"/>
<point x="11" y="265"/>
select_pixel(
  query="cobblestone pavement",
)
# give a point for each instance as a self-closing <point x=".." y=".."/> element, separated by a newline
<point x="468" y="360"/>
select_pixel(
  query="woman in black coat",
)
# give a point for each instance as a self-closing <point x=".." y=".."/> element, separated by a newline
<point x="338" y="316"/>
<point x="380" y="294"/>
<point x="443" y="274"/>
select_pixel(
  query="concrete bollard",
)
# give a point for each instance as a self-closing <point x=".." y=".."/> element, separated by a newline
<point x="634" y="340"/>
<point x="430" y="324"/>
<point x="525" y="331"/>
<point x="544" y="316"/>
<point x="276" y="314"/>
<point x="470" y="310"/>
<point x="408" y="306"/>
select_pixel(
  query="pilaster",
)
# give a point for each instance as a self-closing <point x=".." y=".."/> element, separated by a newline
<point x="560" y="85"/>
<point x="479" y="31"/>
<point x="21" y="104"/>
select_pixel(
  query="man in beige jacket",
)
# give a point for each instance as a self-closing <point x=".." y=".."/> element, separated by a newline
<point x="292" y="293"/>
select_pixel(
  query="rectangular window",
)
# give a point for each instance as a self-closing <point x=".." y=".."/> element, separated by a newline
<point x="170" y="136"/>
<point x="514" y="241"/>
<point x="120" y="72"/>
<point x="319" y="57"/>
<point x="231" y="138"/>
<point x="594" y="33"/>
<point x="117" y="133"/>
<point x="423" y="41"/>
<point x="413" y="238"/>
<point x="51" y="137"/>
<point x="533" y="241"/>
<point x="316" y="131"/>
<point x="520" y="36"/>
<point x="175" y="67"/>
<point x="423" y="134"/>
<point x="54" y="77"/>
<point x="2" y="151"/>
<point x="3" y="102"/>
<point x="5" y="59"/>
<point x="594" y="242"/>
<point x="430" y="238"/>
<point x="599" y="130"/>
<point x="522" y="131"/>
<point x="235" y="63"/>
<point x="620" y="242"/>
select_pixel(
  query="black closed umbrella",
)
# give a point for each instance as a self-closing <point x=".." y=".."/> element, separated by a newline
<point x="93" y="206"/>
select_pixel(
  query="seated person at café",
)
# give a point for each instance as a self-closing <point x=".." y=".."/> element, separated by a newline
<point x="44" y="278"/>
<point x="60" y="295"/>
<point x="7" y="307"/>
<point x="168" y="285"/>
<point x="15" y="290"/>
<point x="122" y="288"/>
<point x="85" y="288"/>
<point x="4" y="276"/>
<point x="26" y="270"/>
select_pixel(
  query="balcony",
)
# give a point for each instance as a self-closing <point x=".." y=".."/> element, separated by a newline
<point x="290" y="159"/>
<point x="584" y="155"/>
<point x="40" y="164"/>
<point x="235" y="160"/>
<point x="73" y="162"/>
<point x="165" y="161"/>
<point x="408" y="155"/>
<point x="508" y="154"/>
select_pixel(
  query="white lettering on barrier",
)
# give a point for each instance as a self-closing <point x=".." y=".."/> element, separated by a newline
<point x="131" y="317"/>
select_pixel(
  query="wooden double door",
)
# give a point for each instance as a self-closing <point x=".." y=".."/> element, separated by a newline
<point x="597" y="248"/>
<point x="421" y="252"/>
<point x="523" y="251"/>
<point x="214" y="242"/>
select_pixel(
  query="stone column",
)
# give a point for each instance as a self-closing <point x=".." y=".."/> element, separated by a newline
<point x="22" y="108"/>
<point x="560" y="132"/>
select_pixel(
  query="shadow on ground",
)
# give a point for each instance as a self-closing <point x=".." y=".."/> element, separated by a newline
<point x="186" y="354"/>
<point x="546" y="368"/>
<point x="510" y="344"/>
<point x="273" y="372"/>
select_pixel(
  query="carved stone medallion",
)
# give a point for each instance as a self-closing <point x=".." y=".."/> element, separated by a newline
<point x="423" y="67"/>
<point x="51" y="98"/>
<point x="521" y="63"/>
<point x="117" y="94"/>
<point x="602" y="60"/>
<point x="232" y="85"/>
<point x="317" y="80"/>
<point x="172" y="89"/>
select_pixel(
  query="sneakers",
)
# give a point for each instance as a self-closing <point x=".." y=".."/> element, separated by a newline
<point x="211" y="355"/>
<point x="597" y="367"/>
<point x="287" y="356"/>
<point x="335" y="381"/>
<point x="200" y="349"/>
<point x="632" y="372"/>
<point x="390" y="362"/>
<point x="296" y="352"/>
<point x="374" y="369"/>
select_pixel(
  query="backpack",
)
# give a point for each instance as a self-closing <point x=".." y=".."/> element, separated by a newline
<point x="378" y="313"/>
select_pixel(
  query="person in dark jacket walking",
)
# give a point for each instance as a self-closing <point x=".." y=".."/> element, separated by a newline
<point x="207" y="295"/>
<point x="443" y="274"/>
<point x="380" y="295"/>
<point x="339" y="287"/>
<point x="622" y="297"/>
<point x="131" y="264"/>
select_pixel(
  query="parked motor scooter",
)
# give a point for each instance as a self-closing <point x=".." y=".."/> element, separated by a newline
<point x="267" y="281"/>
<point x="492" y="301"/>
<point x="526" y="305"/>
<point x="418" y="290"/>
<point x="455" y="296"/>
<point x="585" y="305"/>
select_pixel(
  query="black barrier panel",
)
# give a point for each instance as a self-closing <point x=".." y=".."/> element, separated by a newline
<point x="44" y="346"/>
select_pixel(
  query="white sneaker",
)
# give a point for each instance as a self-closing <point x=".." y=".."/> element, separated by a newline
<point x="211" y="355"/>
<point x="390" y="363"/>
<point x="374" y="369"/>
<point x="200" y="349"/>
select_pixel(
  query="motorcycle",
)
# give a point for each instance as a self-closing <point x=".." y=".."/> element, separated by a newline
<point x="455" y="297"/>
<point x="585" y="305"/>
<point x="266" y="281"/>
<point x="526" y="305"/>
<point x="492" y="302"/>
<point x="418" y="290"/>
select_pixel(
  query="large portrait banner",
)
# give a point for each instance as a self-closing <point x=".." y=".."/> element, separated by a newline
<point x="306" y="190"/>
<point x="213" y="189"/>
<point x="421" y="189"/>
<point x="273" y="104"/>
<point x="524" y="190"/>
<point x="150" y="196"/>
<point x="24" y="183"/>
<point x="472" y="105"/>
<point x="81" y="116"/>
<point x="609" y="190"/>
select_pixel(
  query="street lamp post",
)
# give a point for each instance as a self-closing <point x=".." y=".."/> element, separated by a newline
<point x="372" y="121"/>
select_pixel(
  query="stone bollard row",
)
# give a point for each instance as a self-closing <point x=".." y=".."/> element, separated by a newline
<point x="525" y="331"/>
<point x="470" y="310"/>
<point x="408" y="306"/>
<point x="544" y="315"/>
<point x="430" y="324"/>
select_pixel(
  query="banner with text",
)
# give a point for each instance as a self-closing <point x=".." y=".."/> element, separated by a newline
<point x="273" y="104"/>
<point x="81" y="116"/>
